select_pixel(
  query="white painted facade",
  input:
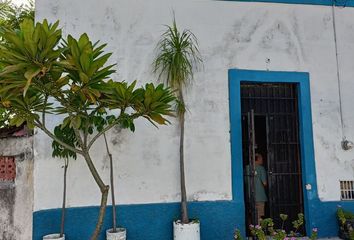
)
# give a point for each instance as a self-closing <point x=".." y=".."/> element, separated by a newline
<point x="231" y="35"/>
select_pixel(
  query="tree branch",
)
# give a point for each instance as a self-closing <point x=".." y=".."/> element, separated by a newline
<point x="134" y="116"/>
<point x="52" y="136"/>
<point x="101" y="133"/>
<point x="77" y="134"/>
<point x="85" y="135"/>
<point x="43" y="112"/>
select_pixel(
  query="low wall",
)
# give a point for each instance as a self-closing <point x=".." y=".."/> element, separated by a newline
<point x="16" y="198"/>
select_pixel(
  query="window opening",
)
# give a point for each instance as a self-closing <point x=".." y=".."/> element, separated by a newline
<point x="347" y="190"/>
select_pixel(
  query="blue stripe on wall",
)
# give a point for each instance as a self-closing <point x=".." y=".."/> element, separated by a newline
<point x="144" y="221"/>
<point x="324" y="215"/>
<point x="339" y="3"/>
<point x="153" y="221"/>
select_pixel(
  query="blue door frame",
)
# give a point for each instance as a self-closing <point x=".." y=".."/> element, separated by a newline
<point x="236" y="76"/>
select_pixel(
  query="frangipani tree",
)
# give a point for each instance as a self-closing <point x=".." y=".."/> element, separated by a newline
<point x="46" y="75"/>
<point x="177" y="58"/>
<point x="10" y="17"/>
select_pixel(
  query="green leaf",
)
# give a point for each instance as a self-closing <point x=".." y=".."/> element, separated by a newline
<point x="83" y="41"/>
<point x="65" y="123"/>
<point x="31" y="47"/>
<point x="76" y="122"/>
<point x="84" y="78"/>
<point x="30" y="125"/>
<point x="158" y="119"/>
<point x="14" y="39"/>
<point x="17" y="121"/>
<point x="75" y="51"/>
<point x="85" y="62"/>
<point x="29" y="75"/>
<point x="12" y="68"/>
<point x="36" y="33"/>
<point x="54" y="26"/>
<point x="132" y="127"/>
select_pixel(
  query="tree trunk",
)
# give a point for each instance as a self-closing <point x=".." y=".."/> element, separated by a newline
<point x="101" y="213"/>
<point x="64" y="200"/>
<point x="184" y="208"/>
<point x="104" y="194"/>
<point x="114" y="219"/>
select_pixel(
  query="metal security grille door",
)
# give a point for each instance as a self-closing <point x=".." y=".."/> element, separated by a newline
<point x="251" y="170"/>
<point x="276" y="138"/>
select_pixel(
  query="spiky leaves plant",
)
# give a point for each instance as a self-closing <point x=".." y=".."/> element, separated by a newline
<point x="177" y="58"/>
<point x="41" y="76"/>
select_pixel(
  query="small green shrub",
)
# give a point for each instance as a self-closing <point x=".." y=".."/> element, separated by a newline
<point x="266" y="228"/>
<point x="346" y="227"/>
<point x="237" y="235"/>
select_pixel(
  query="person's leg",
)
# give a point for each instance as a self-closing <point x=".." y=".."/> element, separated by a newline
<point x="260" y="210"/>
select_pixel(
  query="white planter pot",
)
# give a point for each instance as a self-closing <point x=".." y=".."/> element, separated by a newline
<point x="55" y="236"/>
<point x="190" y="231"/>
<point x="121" y="234"/>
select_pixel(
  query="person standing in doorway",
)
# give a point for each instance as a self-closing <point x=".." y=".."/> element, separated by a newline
<point x="260" y="184"/>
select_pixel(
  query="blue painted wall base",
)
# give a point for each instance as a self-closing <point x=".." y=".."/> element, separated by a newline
<point x="324" y="215"/>
<point x="144" y="221"/>
<point x="154" y="221"/>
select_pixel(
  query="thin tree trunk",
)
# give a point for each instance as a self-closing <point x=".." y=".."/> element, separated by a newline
<point x="184" y="208"/>
<point x="64" y="199"/>
<point x="114" y="219"/>
<point x="104" y="194"/>
<point x="101" y="213"/>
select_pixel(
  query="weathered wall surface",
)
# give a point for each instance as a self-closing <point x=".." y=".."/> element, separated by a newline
<point x="257" y="36"/>
<point x="16" y="200"/>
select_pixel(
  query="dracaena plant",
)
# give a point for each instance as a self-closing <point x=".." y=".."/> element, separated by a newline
<point x="46" y="75"/>
<point x="177" y="58"/>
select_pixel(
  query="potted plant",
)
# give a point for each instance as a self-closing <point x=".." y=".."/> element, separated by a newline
<point x="114" y="233"/>
<point x="346" y="224"/>
<point x="177" y="57"/>
<point x="43" y="75"/>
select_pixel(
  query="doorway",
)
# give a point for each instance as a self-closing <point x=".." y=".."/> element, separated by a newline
<point x="270" y="128"/>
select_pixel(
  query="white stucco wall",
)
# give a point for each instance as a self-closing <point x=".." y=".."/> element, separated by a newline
<point x="231" y="35"/>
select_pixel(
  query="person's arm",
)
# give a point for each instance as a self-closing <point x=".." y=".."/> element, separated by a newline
<point x="264" y="177"/>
